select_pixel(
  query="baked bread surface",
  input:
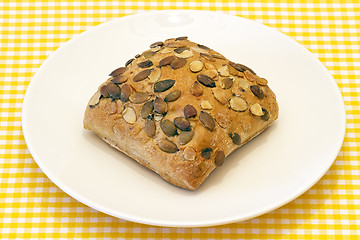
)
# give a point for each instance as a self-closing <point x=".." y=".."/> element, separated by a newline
<point x="180" y="108"/>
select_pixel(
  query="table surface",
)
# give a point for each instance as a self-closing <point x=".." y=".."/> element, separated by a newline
<point x="31" y="206"/>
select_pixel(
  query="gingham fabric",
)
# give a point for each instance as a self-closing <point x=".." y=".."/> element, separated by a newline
<point x="31" y="206"/>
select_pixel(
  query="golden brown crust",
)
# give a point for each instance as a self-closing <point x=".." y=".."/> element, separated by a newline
<point x="229" y="112"/>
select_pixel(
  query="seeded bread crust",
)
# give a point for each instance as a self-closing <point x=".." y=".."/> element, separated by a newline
<point x="232" y="103"/>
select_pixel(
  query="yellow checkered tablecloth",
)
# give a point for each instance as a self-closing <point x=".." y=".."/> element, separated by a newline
<point x="31" y="206"/>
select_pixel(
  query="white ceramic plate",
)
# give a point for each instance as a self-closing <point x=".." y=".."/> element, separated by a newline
<point x="271" y="170"/>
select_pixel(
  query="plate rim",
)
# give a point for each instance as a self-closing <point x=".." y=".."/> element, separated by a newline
<point x="167" y="223"/>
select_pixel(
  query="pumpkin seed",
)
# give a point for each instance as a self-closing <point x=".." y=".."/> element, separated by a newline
<point x="181" y="38"/>
<point x="148" y="54"/>
<point x="199" y="50"/>
<point x="168" y="146"/>
<point x="129" y="62"/>
<point x="156" y="44"/>
<point x="261" y="81"/>
<point x="256" y="90"/>
<point x="249" y="76"/>
<point x="237" y="91"/>
<point x="256" y="109"/>
<point x="154" y="75"/>
<point x="189" y="111"/>
<point x="113" y="90"/>
<point x="95" y="99"/>
<point x="139" y="97"/>
<point x="212" y="73"/>
<point x="166" y="60"/>
<point x="145" y="64"/>
<point x="220" y="95"/>
<point x="243" y="84"/>
<point x="185" y="54"/>
<point x="207" y="57"/>
<point x="206" y="80"/>
<point x="219" y="158"/>
<point x="162" y="86"/>
<point x="226" y="83"/>
<point x="125" y="92"/>
<point x="118" y="71"/>
<point x="206" y="105"/>
<point x="224" y="71"/>
<point x="142" y="75"/>
<point x="168" y="127"/>
<point x="160" y="106"/>
<point x="165" y="50"/>
<point x="238" y="104"/>
<point x="249" y="69"/>
<point x="235" y="138"/>
<point x="147" y="109"/>
<point x="119" y="79"/>
<point x="182" y="123"/>
<point x="218" y="56"/>
<point x="156" y="49"/>
<point x="189" y="154"/>
<point x="206" y="153"/>
<point x="207" y="120"/>
<point x="104" y="92"/>
<point x="177" y="63"/>
<point x="196" y="89"/>
<point x="196" y="66"/>
<point x="203" y="47"/>
<point x="266" y="115"/>
<point x="172" y="96"/>
<point x="150" y="127"/>
<point x="237" y="66"/>
<point x="175" y="44"/>
<point x="209" y="66"/>
<point x="129" y="115"/>
<point x="233" y="71"/>
<point x="241" y="67"/>
<point x="181" y="49"/>
<point x="185" y="137"/>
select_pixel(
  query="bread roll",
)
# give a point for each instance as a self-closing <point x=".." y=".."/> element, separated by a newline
<point x="180" y="108"/>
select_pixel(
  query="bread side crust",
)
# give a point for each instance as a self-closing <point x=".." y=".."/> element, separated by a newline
<point x="173" y="168"/>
